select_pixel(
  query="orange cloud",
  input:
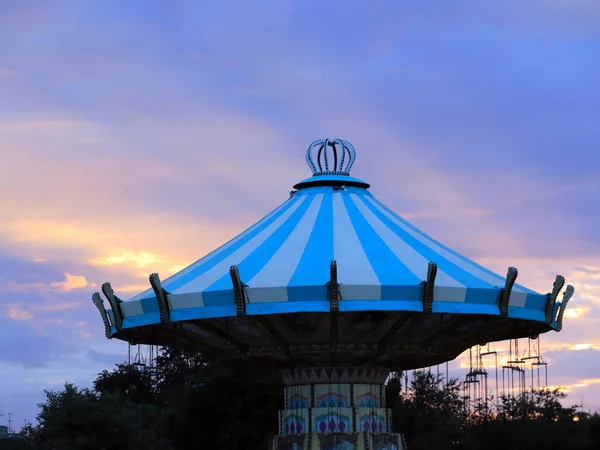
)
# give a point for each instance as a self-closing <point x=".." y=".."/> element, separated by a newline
<point x="574" y="313"/>
<point x="71" y="282"/>
<point x="139" y="242"/>
<point x="582" y="346"/>
<point x="137" y="259"/>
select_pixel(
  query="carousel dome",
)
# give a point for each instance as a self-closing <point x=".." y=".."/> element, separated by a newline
<point x="332" y="240"/>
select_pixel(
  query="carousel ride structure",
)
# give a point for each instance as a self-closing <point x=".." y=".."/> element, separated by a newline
<point x="333" y="290"/>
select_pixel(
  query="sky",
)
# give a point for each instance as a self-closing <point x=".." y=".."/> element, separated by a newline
<point x="137" y="136"/>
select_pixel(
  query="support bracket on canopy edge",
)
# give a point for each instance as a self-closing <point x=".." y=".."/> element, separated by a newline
<point x="563" y="305"/>
<point x="161" y="298"/>
<point x="551" y="297"/>
<point x="429" y="287"/>
<point x="334" y="288"/>
<point x="115" y="304"/>
<point x="333" y="292"/>
<point x="100" y="305"/>
<point x="238" y="291"/>
<point x="511" y="277"/>
<point x="111" y="316"/>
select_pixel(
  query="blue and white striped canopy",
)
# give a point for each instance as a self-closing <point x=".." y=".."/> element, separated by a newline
<point x="284" y="264"/>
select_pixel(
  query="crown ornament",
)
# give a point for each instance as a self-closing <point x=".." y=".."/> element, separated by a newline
<point x="330" y="157"/>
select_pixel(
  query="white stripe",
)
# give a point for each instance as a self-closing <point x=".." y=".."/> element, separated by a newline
<point x="355" y="274"/>
<point x="449" y="293"/>
<point x="415" y="262"/>
<point x="183" y="301"/>
<point x="217" y="271"/>
<point x="494" y="280"/>
<point x="280" y="269"/>
<point x="132" y="308"/>
<point x="517" y="298"/>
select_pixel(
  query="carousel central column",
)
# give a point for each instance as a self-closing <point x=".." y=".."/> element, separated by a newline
<point x="335" y="408"/>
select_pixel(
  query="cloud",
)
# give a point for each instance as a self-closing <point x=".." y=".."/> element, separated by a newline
<point x="71" y="282"/>
<point x="18" y="314"/>
<point x="21" y="344"/>
<point x="74" y="282"/>
<point x="574" y="365"/>
<point x="143" y="149"/>
<point x="50" y="333"/>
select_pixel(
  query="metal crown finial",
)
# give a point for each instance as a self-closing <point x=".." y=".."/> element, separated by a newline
<point x="338" y="160"/>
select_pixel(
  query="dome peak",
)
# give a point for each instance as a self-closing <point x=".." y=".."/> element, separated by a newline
<point x="330" y="161"/>
<point x="337" y="161"/>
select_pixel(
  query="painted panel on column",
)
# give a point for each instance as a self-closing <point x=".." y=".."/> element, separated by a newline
<point x="372" y="420"/>
<point x="294" y="421"/>
<point x="332" y="395"/>
<point x="298" y="397"/>
<point x="367" y="396"/>
<point x="326" y="420"/>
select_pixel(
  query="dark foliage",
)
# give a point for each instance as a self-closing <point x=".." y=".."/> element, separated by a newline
<point x="188" y="402"/>
<point x="433" y="414"/>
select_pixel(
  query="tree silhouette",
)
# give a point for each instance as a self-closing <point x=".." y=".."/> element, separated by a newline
<point x="189" y="402"/>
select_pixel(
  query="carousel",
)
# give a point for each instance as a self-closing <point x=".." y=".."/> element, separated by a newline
<point x="333" y="290"/>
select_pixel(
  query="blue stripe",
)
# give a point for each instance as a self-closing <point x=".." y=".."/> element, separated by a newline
<point x="287" y="307"/>
<point x="458" y="255"/>
<point x="398" y="282"/>
<point x="528" y="314"/>
<point x="535" y="301"/>
<point x="309" y="306"/>
<point x="256" y="260"/>
<point x="454" y="271"/>
<point x="206" y="265"/>
<point x="479" y="296"/>
<point x="380" y="305"/>
<point x="463" y="308"/>
<point x="312" y="273"/>
<point x="141" y="320"/>
<point x="149" y="305"/>
<point x="204" y="312"/>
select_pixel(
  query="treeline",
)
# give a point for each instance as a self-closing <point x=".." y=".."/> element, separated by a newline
<point x="192" y="403"/>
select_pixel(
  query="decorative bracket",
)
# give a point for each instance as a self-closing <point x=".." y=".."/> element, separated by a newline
<point x="238" y="291"/>
<point x="100" y="305"/>
<point x="333" y="292"/>
<point x="511" y="277"/>
<point x="111" y="316"/>
<point x="428" y="287"/>
<point x="161" y="298"/>
<point x="551" y="298"/>
<point x="334" y="288"/>
<point x="115" y="304"/>
<point x="563" y="305"/>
